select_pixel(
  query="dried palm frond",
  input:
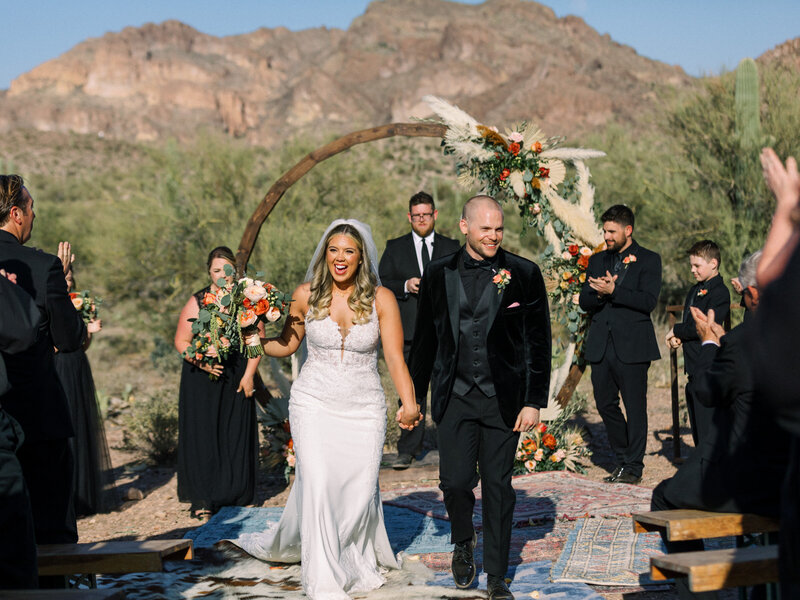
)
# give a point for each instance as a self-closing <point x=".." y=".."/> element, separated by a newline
<point x="552" y="237"/>
<point x="585" y="189"/>
<point x="581" y="222"/>
<point x="467" y="150"/>
<point x="557" y="171"/>
<point x="572" y="154"/>
<point x="466" y="180"/>
<point x="517" y="183"/>
<point x="453" y="116"/>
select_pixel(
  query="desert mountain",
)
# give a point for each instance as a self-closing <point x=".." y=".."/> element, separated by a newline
<point x="503" y="60"/>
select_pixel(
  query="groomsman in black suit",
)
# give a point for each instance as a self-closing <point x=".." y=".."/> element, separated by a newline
<point x="482" y="341"/>
<point x="36" y="399"/>
<point x="620" y="292"/>
<point x="19" y="323"/>
<point x="725" y="474"/>
<point x="400" y="269"/>
<point x="709" y="293"/>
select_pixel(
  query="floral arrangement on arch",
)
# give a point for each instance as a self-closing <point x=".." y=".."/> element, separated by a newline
<point x="525" y="165"/>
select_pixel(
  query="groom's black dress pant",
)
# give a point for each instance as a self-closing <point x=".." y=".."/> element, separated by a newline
<point x="474" y="439"/>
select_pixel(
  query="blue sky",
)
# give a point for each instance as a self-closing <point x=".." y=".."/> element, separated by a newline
<point x="702" y="36"/>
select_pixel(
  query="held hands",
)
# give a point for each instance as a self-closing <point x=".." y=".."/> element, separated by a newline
<point x="527" y="418"/>
<point x="603" y="285"/>
<point x="672" y="341"/>
<point x="707" y="328"/>
<point x="408" y="420"/>
<point x="215" y="369"/>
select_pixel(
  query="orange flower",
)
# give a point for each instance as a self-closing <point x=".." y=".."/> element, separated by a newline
<point x="504" y="175"/>
<point x="290" y="445"/>
<point x="549" y="441"/>
<point x="514" y="148"/>
<point x="209" y="299"/>
<point x="262" y="306"/>
<point x="541" y="427"/>
<point x="247" y="304"/>
<point x="544" y="172"/>
<point x="583" y="261"/>
<point x="536" y="147"/>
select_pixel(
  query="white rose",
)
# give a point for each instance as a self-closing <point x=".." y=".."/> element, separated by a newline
<point x="566" y="255"/>
<point x="515" y="136"/>
<point x="586" y="251"/>
<point x="273" y="314"/>
<point x="576" y="298"/>
<point x="254" y="292"/>
<point x="77" y="302"/>
<point x="248" y="318"/>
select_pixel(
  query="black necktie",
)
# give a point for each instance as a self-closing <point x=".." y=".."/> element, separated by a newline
<point x="426" y="257"/>
<point x="617" y="262"/>
<point x="471" y="263"/>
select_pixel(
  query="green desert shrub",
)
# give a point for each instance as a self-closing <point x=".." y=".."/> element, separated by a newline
<point x="151" y="427"/>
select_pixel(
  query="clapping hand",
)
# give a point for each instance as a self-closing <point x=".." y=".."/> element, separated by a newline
<point x="65" y="256"/>
<point x="783" y="182"/>
<point x="408" y="420"/>
<point x="603" y="285"/>
<point x="707" y="328"/>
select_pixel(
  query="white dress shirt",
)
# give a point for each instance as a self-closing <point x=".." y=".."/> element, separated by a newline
<point x="418" y="241"/>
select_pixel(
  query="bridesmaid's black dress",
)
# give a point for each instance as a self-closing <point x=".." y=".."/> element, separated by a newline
<point x="218" y="436"/>
<point x="93" y="478"/>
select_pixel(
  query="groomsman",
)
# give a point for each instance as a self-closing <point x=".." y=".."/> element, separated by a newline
<point x="19" y="323"/>
<point x="621" y="290"/>
<point x="36" y="399"/>
<point x="400" y="270"/>
<point x="482" y="341"/>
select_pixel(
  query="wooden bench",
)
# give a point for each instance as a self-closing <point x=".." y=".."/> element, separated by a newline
<point x="681" y="525"/>
<point x="111" y="557"/>
<point x="718" y="569"/>
<point x="62" y="594"/>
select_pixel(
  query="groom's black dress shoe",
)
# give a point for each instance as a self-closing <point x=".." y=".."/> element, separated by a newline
<point x="614" y="474"/>
<point x="463" y="565"/>
<point x="625" y="476"/>
<point x="497" y="588"/>
<point x="403" y="461"/>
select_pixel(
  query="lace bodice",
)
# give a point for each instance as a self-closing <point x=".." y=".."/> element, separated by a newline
<point x="355" y="347"/>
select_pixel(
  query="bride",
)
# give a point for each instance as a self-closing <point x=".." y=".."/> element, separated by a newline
<point x="333" y="520"/>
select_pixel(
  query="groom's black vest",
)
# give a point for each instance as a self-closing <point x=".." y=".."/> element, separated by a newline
<point x="472" y="366"/>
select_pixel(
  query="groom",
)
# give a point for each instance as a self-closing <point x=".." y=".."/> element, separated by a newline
<point x="482" y="341"/>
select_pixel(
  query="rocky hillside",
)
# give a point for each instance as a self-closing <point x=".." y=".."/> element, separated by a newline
<point x="502" y="60"/>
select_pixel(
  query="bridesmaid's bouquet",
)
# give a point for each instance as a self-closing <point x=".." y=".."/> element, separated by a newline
<point x="86" y="304"/>
<point x="248" y="301"/>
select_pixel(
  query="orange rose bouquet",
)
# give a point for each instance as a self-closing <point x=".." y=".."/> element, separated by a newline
<point x="556" y="448"/>
<point x="249" y="301"/>
<point x="211" y="328"/>
<point x="86" y="304"/>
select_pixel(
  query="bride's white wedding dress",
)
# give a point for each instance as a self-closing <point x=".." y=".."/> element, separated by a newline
<point x="333" y="520"/>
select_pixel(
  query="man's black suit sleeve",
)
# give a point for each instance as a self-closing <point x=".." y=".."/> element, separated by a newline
<point x="67" y="329"/>
<point x="538" y="342"/>
<point x="390" y="273"/>
<point x="19" y="318"/>
<point x="645" y="296"/>
<point x="425" y="344"/>
<point x="717" y="384"/>
<point x="588" y="298"/>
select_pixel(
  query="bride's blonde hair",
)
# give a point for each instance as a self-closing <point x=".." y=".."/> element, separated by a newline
<point x="363" y="294"/>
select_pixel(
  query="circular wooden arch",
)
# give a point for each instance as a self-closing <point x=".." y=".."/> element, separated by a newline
<point x="308" y="162"/>
<point x="312" y="159"/>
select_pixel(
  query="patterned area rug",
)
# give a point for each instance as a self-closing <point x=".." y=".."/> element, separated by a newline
<point x="540" y="496"/>
<point x="607" y="552"/>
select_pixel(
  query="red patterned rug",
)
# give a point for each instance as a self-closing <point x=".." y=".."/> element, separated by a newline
<point x="540" y="496"/>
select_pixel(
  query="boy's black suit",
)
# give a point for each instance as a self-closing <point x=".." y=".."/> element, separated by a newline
<point x="398" y="264"/>
<point x="621" y="343"/>
<point x="36" y="399"/>
<point x="741" y="462"/>
<point x="703" y="295"/>
<point x="494" y="346"/>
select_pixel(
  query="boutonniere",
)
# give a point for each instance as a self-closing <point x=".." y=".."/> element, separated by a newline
<point x="631" y="258"/>
<point x="501" y="279"/>
<point x="702" y="292"/>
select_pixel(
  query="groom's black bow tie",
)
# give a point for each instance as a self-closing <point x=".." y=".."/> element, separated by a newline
<point x="471" y="263"/>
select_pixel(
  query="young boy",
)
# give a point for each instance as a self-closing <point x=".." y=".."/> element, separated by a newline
<point x="708" y="292"/>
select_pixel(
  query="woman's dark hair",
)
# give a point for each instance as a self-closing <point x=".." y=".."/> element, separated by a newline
<point x="221" y="252"/>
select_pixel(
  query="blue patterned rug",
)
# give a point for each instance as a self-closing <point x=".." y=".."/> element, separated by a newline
<point x="607" y="552"/>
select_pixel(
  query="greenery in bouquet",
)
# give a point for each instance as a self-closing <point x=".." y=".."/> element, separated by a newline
<point x="213" y="327"/>
<point x="249" y="301"/>
<point x="86" y="304"/>
<point x="554" y="447"/>
<point x="278" y="448"/>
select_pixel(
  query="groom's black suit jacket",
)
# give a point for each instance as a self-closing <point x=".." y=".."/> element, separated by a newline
<point x="399" y="263"/>
<point x="36" y="399"/>
<point x="518" y="339"/>
<point x="625" y="314"/>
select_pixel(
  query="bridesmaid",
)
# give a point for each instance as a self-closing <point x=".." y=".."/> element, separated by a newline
<point x="93" y="481"/>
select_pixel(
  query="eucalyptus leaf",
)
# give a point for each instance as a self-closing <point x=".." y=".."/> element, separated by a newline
<point x="228" y="270"/>
<point x="225" y="300"/>
<point x="204" y="316"/>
